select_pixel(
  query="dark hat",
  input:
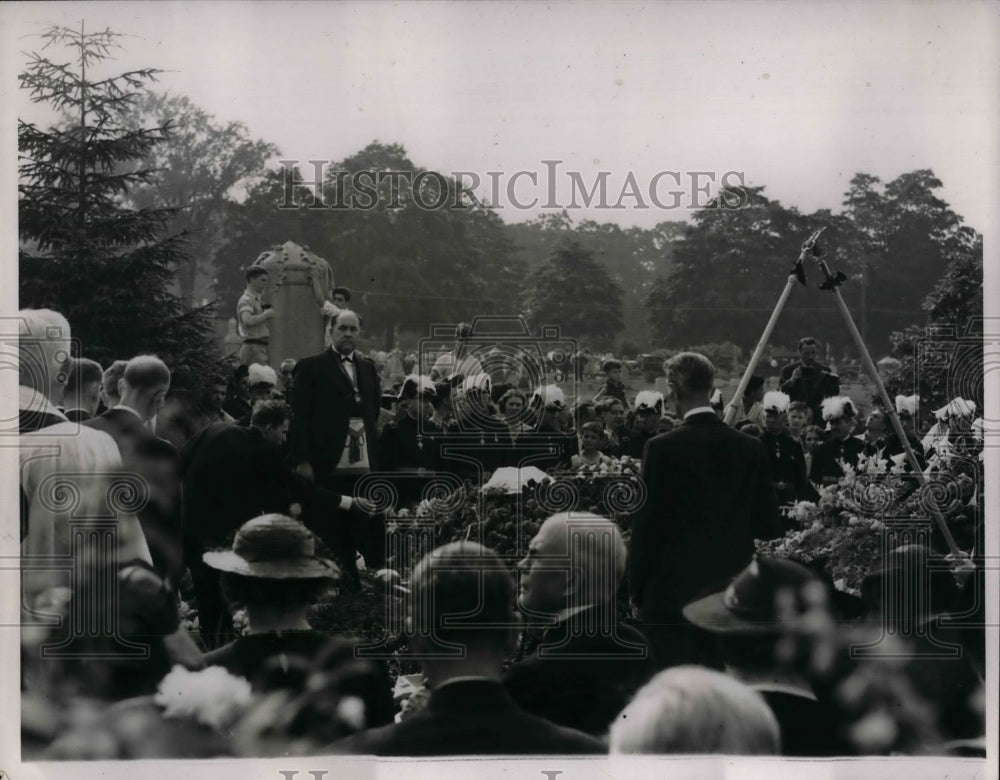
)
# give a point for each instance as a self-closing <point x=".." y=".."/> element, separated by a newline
<point x="747" y="606"/>
<point x="609" y="365"/>
<point x="273" y="547"/>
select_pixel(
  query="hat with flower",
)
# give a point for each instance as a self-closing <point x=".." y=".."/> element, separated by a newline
<point x="837" y="407"/>
<point x="415" y="385"/>
<point x="261" y="375"/>
<point x="549" y="397"/>
<point x="477" y="382"/>
<point x="907" y="404"/>
<point x="274" y="547"/>
<point x="776" y="401"/>
<point x="649" y="401"/>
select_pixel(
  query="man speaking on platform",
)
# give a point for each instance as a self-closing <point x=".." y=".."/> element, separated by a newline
<point x="335" y="399"/>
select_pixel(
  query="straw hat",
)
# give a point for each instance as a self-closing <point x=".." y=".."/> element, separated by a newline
<point x="273" y="547"/>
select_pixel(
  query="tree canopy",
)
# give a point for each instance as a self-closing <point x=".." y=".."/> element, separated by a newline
<point x="572" y="290"/>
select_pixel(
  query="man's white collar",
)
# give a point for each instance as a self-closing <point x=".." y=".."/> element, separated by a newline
<point x="31" y="400"/>
<point x="698" y="410"/>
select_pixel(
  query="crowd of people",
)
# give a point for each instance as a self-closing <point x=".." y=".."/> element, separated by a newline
<point x="240" y="494"/>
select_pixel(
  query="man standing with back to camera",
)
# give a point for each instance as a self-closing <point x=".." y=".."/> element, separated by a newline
<point x="708" y="496"/>
<point x="336" y="399"/>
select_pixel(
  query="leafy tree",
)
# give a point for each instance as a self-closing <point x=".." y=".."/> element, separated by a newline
<point x="910" y="235"/>
<point x="574" y="291"/>
<point x="106" y="267"/>
<point x="954" y="330"/>
<point x="201" y="165"/>
<point x="728" y="270"/>
<point x="631" y="256"/>
<point x="409" y="265"/>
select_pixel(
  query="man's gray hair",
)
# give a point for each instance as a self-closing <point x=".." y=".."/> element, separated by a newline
<point x="690" y="374"/>
<point x="690" y="709"/>
<point x="596" y="552"/>
<point x="43" y="348"/>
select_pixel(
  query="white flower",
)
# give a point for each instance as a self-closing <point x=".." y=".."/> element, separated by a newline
<point x="874" y="733"/>
<point x="351" y="711"/>
<point x="212" y="697"/>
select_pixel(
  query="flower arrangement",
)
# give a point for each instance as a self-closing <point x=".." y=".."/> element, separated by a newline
<point x="212" y="696"/>
<point x="853" y="523"/>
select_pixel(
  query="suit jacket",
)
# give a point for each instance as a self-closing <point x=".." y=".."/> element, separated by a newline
<point x="817" y="384"/>
<point x="709" y="494"/>
<point x="581" y="679"/>
<point x="161" y="517"/>
<point x="825" y="469"/>
<point x="232" y="475"/>
<point x="788" y="465"/>
<point x="52" y="448"/>
<point x="471" y="717"/>
<point x="323" y="402"/>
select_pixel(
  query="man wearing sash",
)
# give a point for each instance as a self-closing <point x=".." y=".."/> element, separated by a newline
<point x="336" y="399"/>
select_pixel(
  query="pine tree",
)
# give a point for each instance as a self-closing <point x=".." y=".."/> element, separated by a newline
<point x="573" y="290"/>
<point x="106" y="267"/>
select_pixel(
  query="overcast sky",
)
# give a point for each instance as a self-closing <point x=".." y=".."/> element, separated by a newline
<point x="797" y="97"/>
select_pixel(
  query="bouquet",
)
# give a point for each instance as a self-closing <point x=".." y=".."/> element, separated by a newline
<point x="212" y="696"/>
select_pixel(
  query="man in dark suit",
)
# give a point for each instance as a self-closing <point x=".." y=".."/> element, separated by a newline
<point x="142" y="390"/>
<point x="462" y="626"/>
<point x="807" y="380"/>
<point x="841" y="445"/>
<point x="233" y="474"/>
<point x="336" y="399"/>
<point x="588" y="665"/>
<point x="784" y="453"/>
<point x="709" y="494"/>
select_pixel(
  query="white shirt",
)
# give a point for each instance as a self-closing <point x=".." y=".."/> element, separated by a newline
<point x="347" y="364"/>
<point x="699" y="410"/>
<point x="88" y="462"/>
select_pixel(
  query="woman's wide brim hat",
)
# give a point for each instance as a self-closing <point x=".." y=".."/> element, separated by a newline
<point x="273" y="547"/>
